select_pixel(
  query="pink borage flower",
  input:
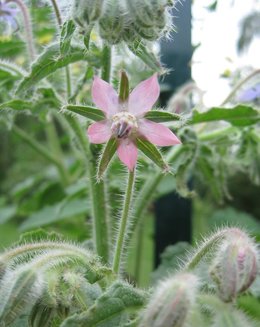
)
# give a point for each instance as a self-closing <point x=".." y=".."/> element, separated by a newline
<point x="125" y="120"/>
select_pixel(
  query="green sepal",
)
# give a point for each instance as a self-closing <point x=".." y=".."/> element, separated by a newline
<point x="152" y="152"/>
<point x="160" y="116"/>
<point x="86" y="111"/>
<point x="124" y="87"/>
<point x="66" y="34"/>
<point x="139" y="49"/>
<point x="106" y="156"/>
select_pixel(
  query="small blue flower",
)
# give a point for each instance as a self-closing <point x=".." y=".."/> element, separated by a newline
<point x="7" y="14"/>
<point x="250" y="94"/>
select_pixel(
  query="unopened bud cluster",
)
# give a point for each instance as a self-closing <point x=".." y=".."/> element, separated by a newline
<point x="124" y="20"/>
<point x="171" y="302"/>
<point x="235" y="266"/>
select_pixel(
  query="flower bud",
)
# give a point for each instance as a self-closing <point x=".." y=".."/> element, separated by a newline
<point x="86" y="12"/>
<point x="235" y="266"/>
<point x="150" y="18"/>
<point x="113" y="22"/>
<point x="171" y="302"/>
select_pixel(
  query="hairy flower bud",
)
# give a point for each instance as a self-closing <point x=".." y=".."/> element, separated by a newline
<point x="86" y="12"/>
<point x="150" y="18"/>
<point x="171" y="302"/>
<point x="113" y="22"/>
<point x="235" y="266"/>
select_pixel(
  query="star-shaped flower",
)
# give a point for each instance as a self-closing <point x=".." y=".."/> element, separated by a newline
<point x="125" y="119"/>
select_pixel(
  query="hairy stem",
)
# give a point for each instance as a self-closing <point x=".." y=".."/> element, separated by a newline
<point x="146" y="193"/>
<point x="97" y="190"/>
<point x="106" y="69"/>
<point x="67" y="69"/>
<point x="122" y="232"/>
<point x="97" y="193"/>
<point x="239" y="85"/>
<point x="205" y="248"/>
<point x="27" y="27"/>
<point x="57" y="12"/>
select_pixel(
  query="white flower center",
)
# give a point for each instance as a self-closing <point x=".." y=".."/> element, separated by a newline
<point x="124" y="124"/>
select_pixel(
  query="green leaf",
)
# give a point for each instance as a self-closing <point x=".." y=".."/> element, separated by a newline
<point x="51" y="60"/>
<point x="140" y="50"/>
<point x="183" y="174"/>
<point x="17" y="104"/>
<point x="170" y="260"/>
<point x="57" y="212"/>
<point x="86" y="111"/>
<point x="106" y="156"/>
<point x="67" y="31"/>
<point x="238" y="116"/>
<point x="7" y="213"/>
<point x="111" y="309"/>
<point x="231" y="217"/>
<point x="159" y="116"/>
<point x="152" y="152"/>
<point x="11" y="47"/>
<point x="11" y="68"/>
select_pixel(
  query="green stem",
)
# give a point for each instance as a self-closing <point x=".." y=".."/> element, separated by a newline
<point x="97" y="190"/>
<point x="68" y="81"/>
<point x="106" y="69"/>
<point x="41" y="150"/>
<point x="67" y="69"/>
<point x="97" y="193"/>
<point x="205" y="248"/>
<point x="122" y="232"/>
<point x="57" y="12"/>
<point x="238" y="86"/>
<point x="146" y="193"/>
<point x="27" y="27"/>
<point x="216" y="134"/>
<point x="139" y="252"/>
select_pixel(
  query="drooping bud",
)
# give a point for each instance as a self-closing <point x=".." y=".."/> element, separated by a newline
<point x="171" y="302"/>
<point x="151" y="19"/>
<point x="86" y="12"/>
<point x="235" y="266"/>
<point x="113" y="22"/>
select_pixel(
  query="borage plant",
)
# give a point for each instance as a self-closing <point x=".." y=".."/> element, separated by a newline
<point x="46" y="280"/>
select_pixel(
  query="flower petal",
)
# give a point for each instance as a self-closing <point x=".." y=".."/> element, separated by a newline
<point x="156" y="133"/>
<point x="104" y="96"/>
<point x="144" y="96"/>
<point x="99" y="132"/>
<point x="127" y="153"/>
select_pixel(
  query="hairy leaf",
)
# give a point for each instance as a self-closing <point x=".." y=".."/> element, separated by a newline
<point x="238" y="116"/>
<point x="51" y="60"/>
<point x="110" y="309"/>
<point x="67" y="31"/>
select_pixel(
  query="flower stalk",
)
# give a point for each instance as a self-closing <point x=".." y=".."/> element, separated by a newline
<point x="122" y="232"/>
<point x="27" y="26"/>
